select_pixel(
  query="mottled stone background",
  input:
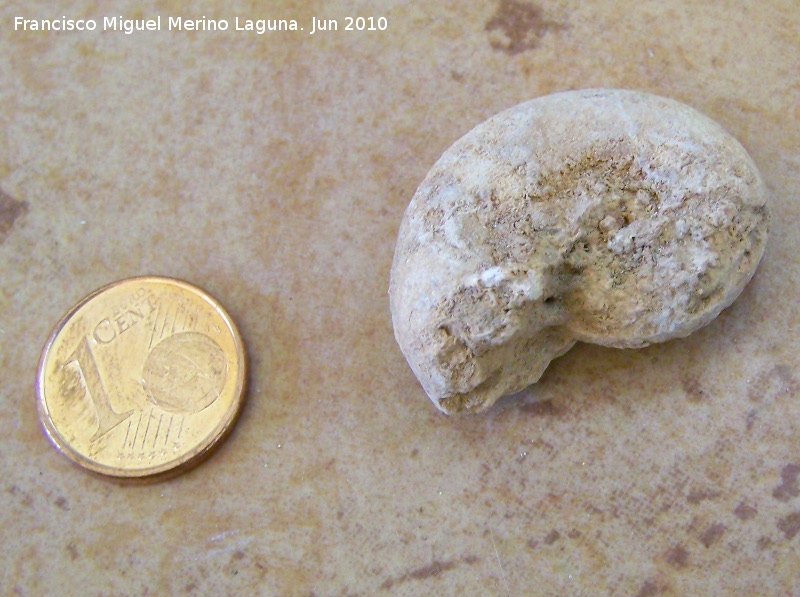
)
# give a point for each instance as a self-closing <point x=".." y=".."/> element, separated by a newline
<point x="273" y="171"/>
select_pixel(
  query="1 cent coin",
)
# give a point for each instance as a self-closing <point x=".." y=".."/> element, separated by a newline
<point x="141" y="378"/>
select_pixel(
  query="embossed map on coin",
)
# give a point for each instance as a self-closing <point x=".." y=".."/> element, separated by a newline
<point x="184" y="373"/>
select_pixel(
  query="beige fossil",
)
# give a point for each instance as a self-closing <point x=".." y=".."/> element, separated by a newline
<point x="606" y="216"/>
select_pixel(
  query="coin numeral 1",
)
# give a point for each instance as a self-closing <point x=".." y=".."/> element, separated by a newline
<point x="107" y="417"/>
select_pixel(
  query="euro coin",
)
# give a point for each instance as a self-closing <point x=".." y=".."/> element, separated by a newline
<point x="141" y="379"/>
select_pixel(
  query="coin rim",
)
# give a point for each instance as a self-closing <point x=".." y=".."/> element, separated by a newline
<point x="189" y="459"/>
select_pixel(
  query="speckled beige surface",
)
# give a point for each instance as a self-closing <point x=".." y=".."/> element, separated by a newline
<point x="273" y="171"/>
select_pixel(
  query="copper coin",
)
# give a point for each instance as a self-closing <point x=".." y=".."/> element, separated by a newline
<point x="141" y="378"/>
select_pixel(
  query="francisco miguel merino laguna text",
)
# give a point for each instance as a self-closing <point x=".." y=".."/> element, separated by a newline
<point x="259" y="26"/>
